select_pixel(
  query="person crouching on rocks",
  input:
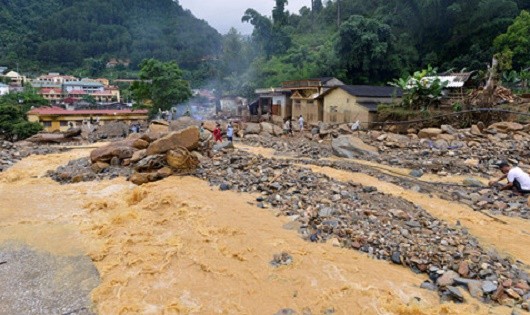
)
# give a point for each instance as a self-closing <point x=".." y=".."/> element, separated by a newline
<point x="518" y="180"/>
<point x="217" y="133"/>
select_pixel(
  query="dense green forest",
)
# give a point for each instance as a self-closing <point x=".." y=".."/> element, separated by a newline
<point x="374" y="42"/>
<point x="357" y="41"/>
<point x="84" y="34"/>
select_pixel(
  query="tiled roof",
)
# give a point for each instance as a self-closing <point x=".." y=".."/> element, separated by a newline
<point x="58" y="111"/>
<point x="49" y="91"/>
<point x="77" y="92"/>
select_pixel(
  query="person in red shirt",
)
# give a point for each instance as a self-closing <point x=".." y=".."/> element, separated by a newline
<point x="217" y="134"/>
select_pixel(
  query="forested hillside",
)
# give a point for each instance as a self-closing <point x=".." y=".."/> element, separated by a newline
<point x="374" y="42"/>
<point x="66" y="34"/>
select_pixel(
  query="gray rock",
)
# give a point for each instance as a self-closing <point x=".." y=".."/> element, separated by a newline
<point x="348" y="146"/>
<point x="447" y="279"/>
<point x="223" y="146"/>
<point x="455" y="293"/>
<point x="325" y="212"/>
<point x="416" y="173"/>
<point x="282" y="259"/>
<point x="286" y="311"/>
<point x="489" y="287"/>
<point x="427" y="285"/>
<point x="396" y="258"/>
<point x="472" y="182"/>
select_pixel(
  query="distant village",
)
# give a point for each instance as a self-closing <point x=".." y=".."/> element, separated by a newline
<point x="74" y="101"/>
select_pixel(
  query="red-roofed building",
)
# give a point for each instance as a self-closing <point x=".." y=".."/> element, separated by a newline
<point x="77" y="93"/>
<point x="59" y="119"/>
<point x="51" y="94"/>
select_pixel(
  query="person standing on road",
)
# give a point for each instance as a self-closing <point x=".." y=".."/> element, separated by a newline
<point x="301" y="123"/>
<point x="217" y="134"/>
<point x="230" y="132"/>
<point x="518" y="180"/>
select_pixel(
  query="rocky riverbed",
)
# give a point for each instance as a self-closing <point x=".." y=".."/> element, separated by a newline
<point x="358" y="217"/>
<point x="349" y="215"/>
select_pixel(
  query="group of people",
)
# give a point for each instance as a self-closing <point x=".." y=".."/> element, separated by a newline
<point x="288" y="125"/>
<point x="218" y="133"/>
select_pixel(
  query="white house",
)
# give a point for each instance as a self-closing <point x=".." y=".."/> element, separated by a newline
<point x="85" y="86"/>
<point x="4" y="89"/>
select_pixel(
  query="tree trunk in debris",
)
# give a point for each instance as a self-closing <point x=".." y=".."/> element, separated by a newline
<point x="491" y="84"/>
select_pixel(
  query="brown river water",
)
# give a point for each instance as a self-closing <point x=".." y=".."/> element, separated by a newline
<point x="180" y="247"/>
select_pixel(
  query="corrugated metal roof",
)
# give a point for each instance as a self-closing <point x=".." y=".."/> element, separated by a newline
<point x="453" y="81"/>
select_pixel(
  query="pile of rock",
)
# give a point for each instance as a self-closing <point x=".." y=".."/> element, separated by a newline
<point x="11" y="153"/>
<point x="82" y="170"/>
<point x="382" y="226"/>
<point x="448" y="150"/>
<point x="151" y="156"/>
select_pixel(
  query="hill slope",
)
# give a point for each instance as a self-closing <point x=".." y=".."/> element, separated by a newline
<point x="64" y="33"/>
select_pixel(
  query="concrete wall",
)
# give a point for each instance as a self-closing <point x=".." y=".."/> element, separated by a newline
<point x="341" y="107"/>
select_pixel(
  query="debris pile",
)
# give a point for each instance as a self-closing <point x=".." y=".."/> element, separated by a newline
<point x="11" y="153"/>
<point x="501" y="95"/>
<point x="142" y="158"/>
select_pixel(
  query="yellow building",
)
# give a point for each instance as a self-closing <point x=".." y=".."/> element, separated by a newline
<point x="351" y="103"/>
<point x="305" y="97"/>
<point x="59" y="119"/>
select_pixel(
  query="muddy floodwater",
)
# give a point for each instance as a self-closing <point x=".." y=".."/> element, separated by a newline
<point x="179" y="246"/>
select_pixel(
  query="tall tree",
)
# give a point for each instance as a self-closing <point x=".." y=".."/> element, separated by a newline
<point x="162" y="84"/>
<point x="364" y="47"/>
<point x="516" y="41"/>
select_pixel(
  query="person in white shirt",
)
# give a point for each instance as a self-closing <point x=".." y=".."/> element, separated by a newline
<point x="301" y="123"/>
<point x="518" y="180"/>
<point x="230" y="132"/>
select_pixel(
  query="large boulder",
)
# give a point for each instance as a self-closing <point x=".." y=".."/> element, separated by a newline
<point x="267" y="127"/>
<point x="181" y="160"/>
<point x="348" y="146"/>
<point x="210" y="125"/>
<point x="252" y="129"/>
<point x="187" y="138"/>
<point x="120" y="149"/>
<point x="183" y="122"/>
<point x="449" y="129"/>
<point x="159" y="126"/>
<point x="223" y="146"/>
<point x="115" y="129"/>
<point x="277" y="131"/>
<point x="429" y="133"/>
<point x="506" y="126"/>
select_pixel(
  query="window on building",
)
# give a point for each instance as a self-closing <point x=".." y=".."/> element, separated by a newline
<point x="310" y="102"/>
<point x="47" y="123"/>
<point x="64" y="124"/>
<point x="333" y="109"/>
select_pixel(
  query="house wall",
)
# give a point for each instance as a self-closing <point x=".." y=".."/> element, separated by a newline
<point x="286" y="105"/>
<point x="341" y="107"/>
<point x="312" y="111"/>
<point x="60" y="123"/>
